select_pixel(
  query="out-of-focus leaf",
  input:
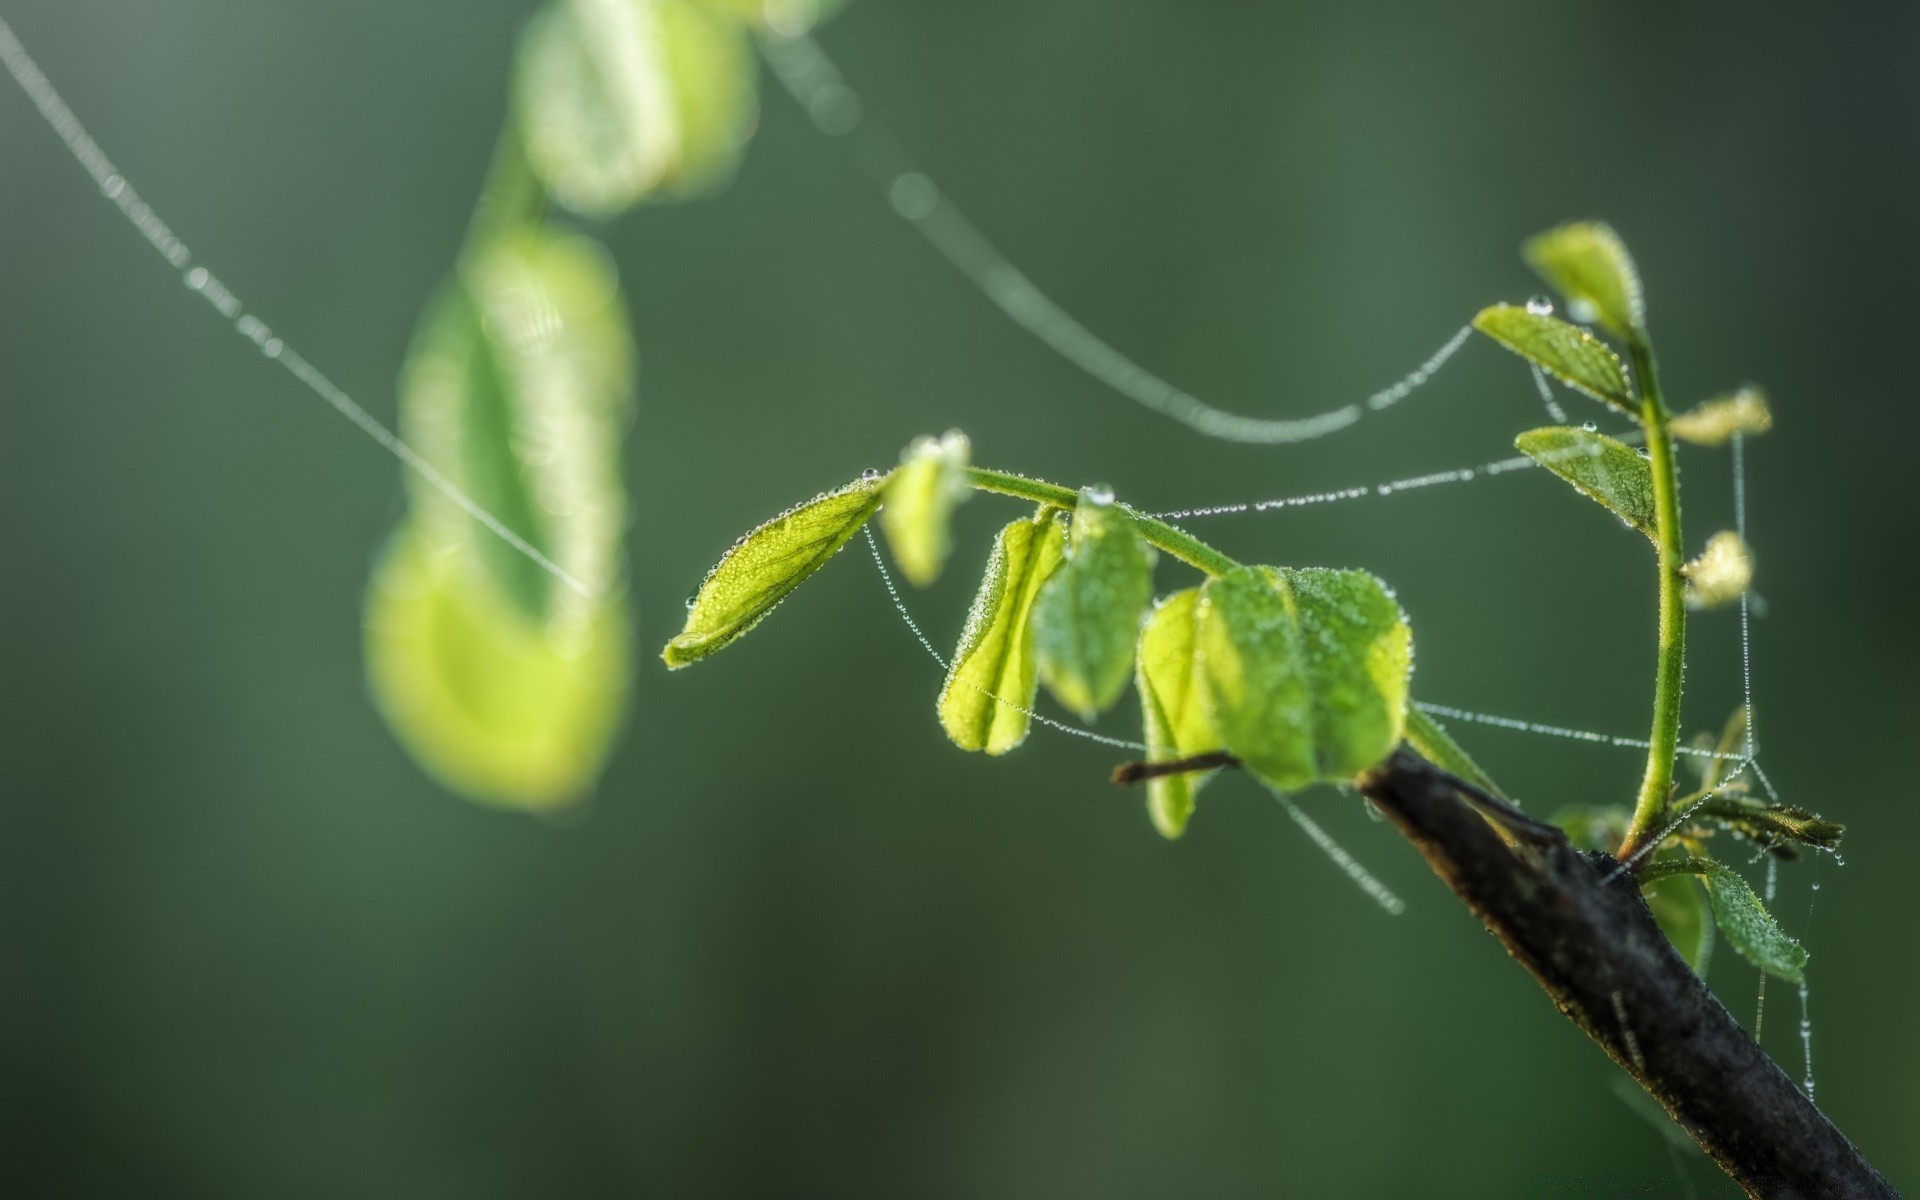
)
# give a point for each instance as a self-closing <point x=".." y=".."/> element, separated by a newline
<point x="788" y="17"/>
<point x="620" y="99"/>
<point x="763" y="568"/>
<point x="1173" y="714"/>
<point x="1588" y="264"/>
<point x="919" y="501"/>
<point x="1087" y="618"/>
<point x="1567" y="352"/>
<point x="1745" y="922"/>
<point x="1602" y="468"/>
<point x="1722" y="574"/>
<point x="518" y="387"/>
<point x="1714" y="422"/>
<point x="1599" y="828"/>
<point x="500" y="707"/>
<point x="991" y="682"/>
<point x="1437" y="746"/>
<point x="1679" y="904"/>
<point x="1304" y="672"/>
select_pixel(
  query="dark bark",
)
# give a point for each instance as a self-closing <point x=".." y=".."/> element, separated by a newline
<point x="1579" y="925"/>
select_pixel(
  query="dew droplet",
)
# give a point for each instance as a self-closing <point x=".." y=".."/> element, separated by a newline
<point x="1098" y="493"/>
<point x="871" y="474"/>
<point x="692" y="600"/>
<point x="1540" y="306"/>
<point x="1590" y="426"/>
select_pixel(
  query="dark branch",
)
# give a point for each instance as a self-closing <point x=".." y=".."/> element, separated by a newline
<point x="1129" y="773"/>
<point x="1580" y="927"/>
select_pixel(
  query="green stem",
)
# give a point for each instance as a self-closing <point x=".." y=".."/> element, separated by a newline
<point x="510" y="196"/>
<point x="1670" y="665"/>
<point x="1177" y="542"/>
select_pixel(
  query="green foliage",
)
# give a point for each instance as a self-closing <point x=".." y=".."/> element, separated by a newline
<point x="1714" y="422"/>
<point x="1722" y="574"/>
<point x="1304" y="672"/>
<point x="1588" y="264"/>
<point x="762" y="568"/>
<point x="919" y="501"/>
<point x="1435" y="745"/>
<point x="1567" y="352"/>
<point x="1166" y="674"/>
<point x="1602" y="468"/>
<point x="619" y="100"/>
<point x="992" y="679"/>
<point x="1087" y="617"/>
<point x="1744" y="921"/>
<point x="1680" y="905"/>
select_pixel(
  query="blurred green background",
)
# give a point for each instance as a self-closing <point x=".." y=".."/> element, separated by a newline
<point x="799" y="945"/>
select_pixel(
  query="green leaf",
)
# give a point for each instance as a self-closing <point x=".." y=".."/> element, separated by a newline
<point x="620" y="99"/>
<point x="1166" y="673"/>
<point x="1601" y="468"/>
<point x="762" y="568"/>
<point x="991" y="682"/>
<point x="1722" y="574"/>
<point x="1304" y="672"/>
<point x="1714" y="422"/>
<point x="1087" y="619"/>
<point x="1567" y="352"/>
<point x="1772" y="825"/>
<point x="1743" y="920"/>
<point x="1593" y="827"/>
<point x="1680" y="905"/>
<point x="919" y="502"/>
<point x="518" y="388"/>
<point x="1587" y="263"/>
<point x="501" y="708"/>
<point x="1434" y="744"/>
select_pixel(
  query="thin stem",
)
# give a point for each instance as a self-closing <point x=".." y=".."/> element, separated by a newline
<point x="1177" y="542"/>
<point x="1670" y="665"/>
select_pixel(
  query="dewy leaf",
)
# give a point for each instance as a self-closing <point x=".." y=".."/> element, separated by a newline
<point x="1175" y="719"/>
<point x="1567" y="352"/>
<point x="1744" y="921"/>
<point x="1679" y="904"/>
<point x="763" y="567"/>
<point x="991" y="681"/>
<point x="1714" y="422"/>
<point x="1087" y="618"/>
<point x="1588" y="264"/>
<point x="1722" y="574"/>
<point x="1304" y="672"/>
<point x="519" y="386"/>
<point x="618" y="99"/>
<point x="501" y="708"/>
<point x="1437" y="746"/>
<point x="919" y="501"/>
<point x="1604" y="469"/>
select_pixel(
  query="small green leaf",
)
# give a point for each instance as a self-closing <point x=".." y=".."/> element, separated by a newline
<point x="619" y="99"/>
<point x="1589" y="265"/>
<point x="919" y="502"/>
<point x="763" y="567"/>
<point x="1087" y="618"/>
<point x="1567" y="352"/>
<point x="1772" y="825"/>
<point x="1745" y="922"/>
<point x="499" y="707"/>
<point x="1304" y="672"/>
<point x="1599" y="828"/>
<point x="1437" y="746"/>
<point x="1722" y="574"/>
<point x="1714" y="422"/>
<point x="1602" y="468"/>
<point x="1174" y="717"/>
<point x="991" y="682"/>
<point x="1679" y="904"/>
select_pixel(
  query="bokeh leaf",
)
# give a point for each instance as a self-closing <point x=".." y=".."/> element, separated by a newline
<point x="919" y="502"/>
<point x="1743" y="920"/>
<point x="1680" y="905"/>
<point x="1602" y="468"/>
<point x="1304" y="671"/>
<point x="1722" y="574"/>
<point x="1166" y="673"/>
<point x="1714" y="422"/>
<point x="1567" y="352"/>
<point x="1437" y="746"/>
<point x="763" y="568"/>
<point x="992" y="679"/>
<point x="500" y="707"/>
<point x="1087" y="618"/>
<point x="1587" y="263"/>
<point x="617" y="100"/>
